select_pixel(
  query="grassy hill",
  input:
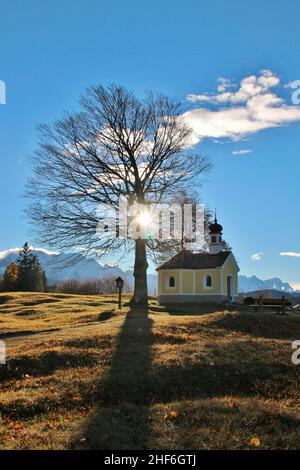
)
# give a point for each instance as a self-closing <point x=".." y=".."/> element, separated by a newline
<point x="82" y="374"/>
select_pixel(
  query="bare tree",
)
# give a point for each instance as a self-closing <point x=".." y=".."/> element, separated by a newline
<point x="162" y="250"/>
<point x="116" y="146"/>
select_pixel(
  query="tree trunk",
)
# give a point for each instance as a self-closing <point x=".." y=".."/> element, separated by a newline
<point x="140" y="295"/>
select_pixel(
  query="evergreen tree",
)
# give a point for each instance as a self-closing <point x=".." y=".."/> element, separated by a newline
<point x="31" y="276"/>
<point x="10" y="278"/>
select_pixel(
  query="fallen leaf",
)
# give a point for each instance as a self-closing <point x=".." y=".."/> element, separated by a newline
<point x="234" y="401"/>
<point x="75" y="398"/>
<point x="255" y="442"/>
<point x="18" y="426"/>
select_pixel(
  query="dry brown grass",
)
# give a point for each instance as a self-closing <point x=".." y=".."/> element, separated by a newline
<point x="25" y="313"/>
<point x="156" y="380"/>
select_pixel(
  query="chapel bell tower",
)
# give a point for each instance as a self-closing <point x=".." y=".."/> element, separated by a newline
<point x="215" y="237"/>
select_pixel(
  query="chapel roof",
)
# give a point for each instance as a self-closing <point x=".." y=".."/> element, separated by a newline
<point x="187" y="260"/>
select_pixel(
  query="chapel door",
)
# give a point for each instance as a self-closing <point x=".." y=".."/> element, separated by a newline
<point x="229" y="288"/>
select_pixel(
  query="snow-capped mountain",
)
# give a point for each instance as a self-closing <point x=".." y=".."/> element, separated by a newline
<point x="253" y="283"/>
<point x="61" y="267"/>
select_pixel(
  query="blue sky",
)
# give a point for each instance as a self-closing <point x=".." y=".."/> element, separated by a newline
<point x="52" y="50"/>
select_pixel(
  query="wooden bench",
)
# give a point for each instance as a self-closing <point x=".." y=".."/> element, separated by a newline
<point x="260" y="302"/>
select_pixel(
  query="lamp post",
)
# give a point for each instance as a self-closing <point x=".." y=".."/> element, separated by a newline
<point x="120" y="283"/>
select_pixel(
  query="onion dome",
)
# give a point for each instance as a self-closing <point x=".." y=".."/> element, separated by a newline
<point x="215" y="227"/>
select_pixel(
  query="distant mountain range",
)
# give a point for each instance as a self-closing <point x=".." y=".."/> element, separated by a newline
<point x="59" y="268"/>
<point x="294" y="297"/>
<point x="253" y="283"/>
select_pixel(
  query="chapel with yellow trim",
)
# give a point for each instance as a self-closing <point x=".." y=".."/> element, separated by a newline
<point x="200" y="277"/>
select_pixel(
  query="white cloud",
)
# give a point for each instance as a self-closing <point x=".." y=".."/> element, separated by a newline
<point x="242" y="152"/>
<point x="257" y="256"/>
<point x="249" y="86"/>
<point x="296" y="286"/>
<point x="292" y="254"/>
<point x="224" y="83"/>
<point x="248" y="110"/>
<point x="195" y="98"/>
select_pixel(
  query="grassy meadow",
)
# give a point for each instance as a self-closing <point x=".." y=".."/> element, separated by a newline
<point x="81" y="374"/>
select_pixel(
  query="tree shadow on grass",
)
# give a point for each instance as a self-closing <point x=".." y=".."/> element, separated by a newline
<point x="122" y="417"/>
<point x="134" y="383"/>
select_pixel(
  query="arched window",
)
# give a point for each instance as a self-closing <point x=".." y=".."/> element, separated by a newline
<point x="208" y="281"/>
<point x="213" y="239"/>
<point x="172" y="281"/>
